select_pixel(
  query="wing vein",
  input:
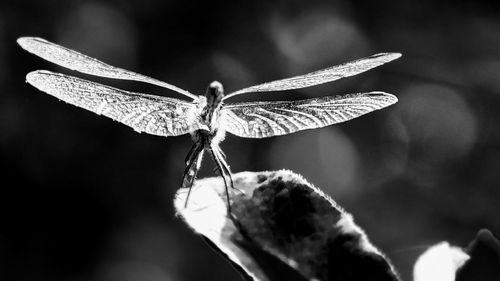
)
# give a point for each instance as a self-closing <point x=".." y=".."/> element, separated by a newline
<point x="321" y="76"/>
<point x="266" y="119"/>
<point x="82" y="63"/>
<point x="139" y="111"/>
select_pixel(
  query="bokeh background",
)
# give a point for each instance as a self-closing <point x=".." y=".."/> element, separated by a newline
<point x="85" y="198"/>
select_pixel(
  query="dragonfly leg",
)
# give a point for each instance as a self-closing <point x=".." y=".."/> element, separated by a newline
<point x="225" y="166"/>
<point x="190" y="153"/>
<point x="196" y="166"/>
<point x="221" y="153"/>
<point x="222" y="171"/>
<point x="189" y="162"/>
<point x="192" y="166"/>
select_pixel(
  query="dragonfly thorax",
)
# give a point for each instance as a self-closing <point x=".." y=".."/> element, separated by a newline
<point x="213" y="102"/>
<point x="210" y="104"/>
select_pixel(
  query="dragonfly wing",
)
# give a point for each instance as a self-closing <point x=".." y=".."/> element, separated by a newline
<point x="155" y="115"/>
<point x="76" y="61"/>
<point x="321" y="76"/>
<point x="267" y="119"/>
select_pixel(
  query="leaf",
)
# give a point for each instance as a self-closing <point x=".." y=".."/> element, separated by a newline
<point x="282" y="228"/>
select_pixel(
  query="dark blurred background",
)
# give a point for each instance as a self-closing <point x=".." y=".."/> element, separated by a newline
<point x="85" y="198"/>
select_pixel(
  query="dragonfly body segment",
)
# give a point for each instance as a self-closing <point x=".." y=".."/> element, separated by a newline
<point x="206" y="117"/>
<point x="213" y="103"/>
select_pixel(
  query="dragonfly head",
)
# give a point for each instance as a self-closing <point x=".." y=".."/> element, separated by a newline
<point x="215" y="93"/>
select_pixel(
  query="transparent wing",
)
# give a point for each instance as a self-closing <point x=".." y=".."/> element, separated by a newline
<point x="85" y="64"/>
<point x="321" y="76"/>
<point x="144" y="113"/>
<point x="267" y="119"/>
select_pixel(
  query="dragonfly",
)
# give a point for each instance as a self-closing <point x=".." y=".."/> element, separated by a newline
<point x="206" y="117"/>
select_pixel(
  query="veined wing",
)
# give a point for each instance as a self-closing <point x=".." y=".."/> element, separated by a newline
<point x="76" y="61"/>
<point x="321" y="76"/>
<point x="155" y="115"/>
<point x="267" y="119"/>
